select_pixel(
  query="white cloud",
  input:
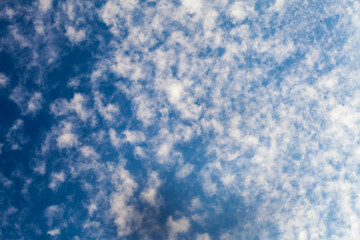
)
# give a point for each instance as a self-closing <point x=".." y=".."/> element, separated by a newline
<point x="195" y="204"/>
<point x="92" y="224"/>
<point x="175" y="92"/>
<point x="192" y="6"/>
<point x="15" y="136"/>
<point x="89" y="152"/>
<point x="74" y="35"/>
<point x="19" y="37"/>
<point x="53" y="213"/>
<point x="210" y="21"/>
<point x="5" y="181"/>
<point x="204" y="236"/>
<point x="67" y="139"/>
<point x="240" y="10"/>
<point x="183" y="101"/>
<point x="9" y="12"/>
<point x="139" y="152"/>
<point x="28" y="102"/>
<point x="134" y="136"/>
<point x="126" y="216"/>
<point x="145" y="111"/>
<point x="125" y="68"/>
<point x="45" y="5"/>
<point x="109" y="111"/>
<point x="112" y="10"/>
<point x="185" y="170"/>
<point x="59" y="107"/>
<point x="39" y="27"/>
<point x="181" y="225"/>
<point x="115" y="140"/>
<point x="6" y="214"/>
<point x="56" y="180"/>
<point x="35" y="103"/>
<point x="3" y="80"/>
<point x="40" y="167"/>
<point x="279" y="5"/>
<point x="69" y="9"/>
<point x="54" y="232"/>
<point x="150" y="193"/>
<point x="164" y="151"/>
<point x="77" y="104"/>
<point x="92" y="208"/>
<point x="228" y="179"/>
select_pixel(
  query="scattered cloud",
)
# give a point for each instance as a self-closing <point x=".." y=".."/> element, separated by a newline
<point x="3" y="80"/>
<point x="204" y="236"/>
<point x="77" y="104"/>
<point x="67" y="139"/>
<point x="126" y="216"/>
<point x="56" y="180"/>
<point x="231" y="110"/>
<point x="185" y="170"/>
<point x="54" y="232"/>
<point x="75" y="36"/>
<point x="45" y="5"/>
<point x="29" y="103"/>
<point x="181" y="225"/>
<point x="15" y="136"/>
<point x="150" y="193"/>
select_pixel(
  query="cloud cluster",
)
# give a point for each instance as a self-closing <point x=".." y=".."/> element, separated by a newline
<point x="150" y="119"/>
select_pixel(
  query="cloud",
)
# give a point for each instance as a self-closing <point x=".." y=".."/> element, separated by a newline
<point x="192" y="6"/>
<point x="29" y="103"/>
<point x="134" y="136"/>
<point x="145" y="111"/>
<point x="258" y="103"/>
<point x="115" y="140"/>
<point x="15" y="136"/>
<point x="75" y="36"/>
<point x="10" y="211"/>
<point x="40" y="167"/>
<point x="45" y="5"/>
<point x="54" y="232"/>
<point x="240" y="10"/>
<point x="67" y="139"/>
<point x="185" y="170"/>
<point x="89" y="152"/>
<point x="35" y="103"/>
<point x="204" y="236"/>
<point x="181" y="225"/>
<point x="56" y="180"/>
<point x="126" y="216"/>
<point x="228" y="179"/>
<point x="150" y="193"/>
<point x="163" y="152"/>
<point x="9" y="12"/>
<point x="5" y="181"/>
<point x="182" y="101"/>
<point x="77" y="105"/>
<point x="54" y="213"/>
<point x="61" y="107"/>
<point x="3" y="80"/>
<point x="92" y="208"/>
<point x="109" y="111"/>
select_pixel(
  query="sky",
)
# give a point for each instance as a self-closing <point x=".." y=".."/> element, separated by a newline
<point x="180" y="119"/>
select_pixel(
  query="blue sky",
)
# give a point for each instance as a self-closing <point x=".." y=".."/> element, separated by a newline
<point x="179" y="119"/>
